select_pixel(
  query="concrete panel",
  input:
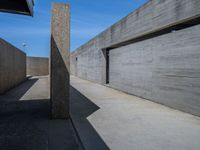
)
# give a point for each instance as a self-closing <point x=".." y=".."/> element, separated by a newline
<point x="153" y="16"/>
<point x="165" y="69"/>
<point x="37" y="66"/>
<point x="88" y="65"/>
<point x="60" y="61"/>
<point x="12" y="66"/>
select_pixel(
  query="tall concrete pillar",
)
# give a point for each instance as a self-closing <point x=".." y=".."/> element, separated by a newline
<point x="60" y="61"/>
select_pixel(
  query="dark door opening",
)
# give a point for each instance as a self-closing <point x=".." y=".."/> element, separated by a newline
<point x="107" y="66"/>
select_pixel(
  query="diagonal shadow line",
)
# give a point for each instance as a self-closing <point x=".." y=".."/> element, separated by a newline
<point x="10" y="101"/>
<point x="17" y="92"/>
<point x="25" y="125"/>
<point x="81" y="108"/>
<point x="59" y="85"/>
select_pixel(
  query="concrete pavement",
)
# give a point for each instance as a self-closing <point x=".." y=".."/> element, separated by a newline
<point x="25" y="123"/>
<point x="121" y="121"/>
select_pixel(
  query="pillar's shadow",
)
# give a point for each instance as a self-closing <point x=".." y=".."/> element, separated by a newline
<point x="25" y="124"/>
<point x="80" y="108"/>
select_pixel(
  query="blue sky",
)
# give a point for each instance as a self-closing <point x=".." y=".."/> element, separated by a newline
<point x="88" y="18"/>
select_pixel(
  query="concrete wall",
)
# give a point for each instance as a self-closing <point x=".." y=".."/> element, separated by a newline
<point x="37" y="66"/>
<point x="12" y="66"/>
<point x="164" y="65"/>
<point x="165" y="69"/>
<point x="153" y="16"/>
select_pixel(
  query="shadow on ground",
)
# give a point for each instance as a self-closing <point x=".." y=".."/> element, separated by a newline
<point x="80" y="108"/>
<point x="25" y="125"/>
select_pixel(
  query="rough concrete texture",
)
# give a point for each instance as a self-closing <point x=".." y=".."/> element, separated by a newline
<point x="37" y="66"/>
<point x="60" y="60"/>
<point x="165" y="69"/>
<point x="12" y="66"/>
<point x="25" y="123"/>
<point x="126" y="122"/>
<point x="153" y="16"/>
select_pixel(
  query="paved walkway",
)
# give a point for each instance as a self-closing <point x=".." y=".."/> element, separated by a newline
<point x="107" y="118"/>
<point x="25" y="123"/>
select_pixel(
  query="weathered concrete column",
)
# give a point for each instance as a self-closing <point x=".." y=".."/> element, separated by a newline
<point x="60" y="61"/>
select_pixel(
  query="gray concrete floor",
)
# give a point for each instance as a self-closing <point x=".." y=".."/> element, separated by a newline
<point x="25" y="123"/>
<point x="111" y="118"/>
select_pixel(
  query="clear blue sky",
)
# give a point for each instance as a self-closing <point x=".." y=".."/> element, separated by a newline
<point x="88" y="18"/>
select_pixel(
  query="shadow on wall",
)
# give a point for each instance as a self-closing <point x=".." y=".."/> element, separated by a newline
<point x="80" y="108"/>
<point x="59" y="76"/>
<point x="25" y="125"/>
